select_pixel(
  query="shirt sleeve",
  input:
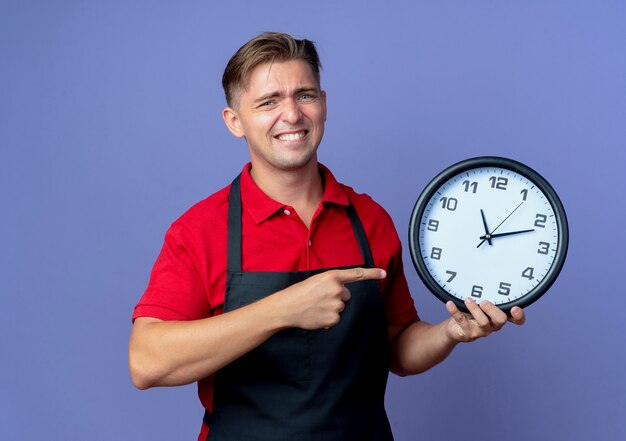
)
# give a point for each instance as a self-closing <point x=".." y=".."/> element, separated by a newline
<point x="387" y="252"/>
<point x="399" y="305"/>
<point x="175" y="290"/>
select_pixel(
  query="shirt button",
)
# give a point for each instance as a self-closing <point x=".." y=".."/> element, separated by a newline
<point x="310" y="243"/>
<point x="287" y="212"/>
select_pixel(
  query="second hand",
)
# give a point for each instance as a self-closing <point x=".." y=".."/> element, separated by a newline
<point x="494" y="230"/>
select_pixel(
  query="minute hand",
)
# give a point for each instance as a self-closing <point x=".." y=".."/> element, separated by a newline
<point x="484" y="238"/>
<point x="491" y="236"/>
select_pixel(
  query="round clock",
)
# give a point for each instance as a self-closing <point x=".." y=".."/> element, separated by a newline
<point x="489" y="228"/>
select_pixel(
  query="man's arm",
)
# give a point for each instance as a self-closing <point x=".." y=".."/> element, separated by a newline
<point x="421" y="345"/>
<point x="172" y="353"/>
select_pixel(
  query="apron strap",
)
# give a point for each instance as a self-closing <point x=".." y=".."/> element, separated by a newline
<point x="233" y="264"/>
<point x="361" y="238"/>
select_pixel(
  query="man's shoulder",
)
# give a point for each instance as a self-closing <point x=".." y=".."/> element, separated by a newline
<point x="206" y="213"/>
<point x="378" y="224"/>
<point x="364" y="204"/>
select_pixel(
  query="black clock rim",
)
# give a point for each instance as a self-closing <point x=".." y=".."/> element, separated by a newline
<point x="514" y="166"/>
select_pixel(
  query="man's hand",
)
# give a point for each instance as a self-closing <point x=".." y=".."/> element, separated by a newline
<point x="421" y="345"/>
<point x="482" y="320"/>
<point x="317" y="302"/>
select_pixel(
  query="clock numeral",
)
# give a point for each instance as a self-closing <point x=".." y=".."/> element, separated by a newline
<point x="452" y="275"/>
<point x="528" y="273"/>
<point x="524" y="193"/>
<point x="540" y="220"/>
<point x="473" y="185"/>
<point x="448" y="203"/>
<point x="435" y="253"/>
<point x="499" y="182"/>
<point x="433" y="225"/>
<point x="477" y="291"/>
<point x="544" y="247"/>
<point x="505" y="289"/>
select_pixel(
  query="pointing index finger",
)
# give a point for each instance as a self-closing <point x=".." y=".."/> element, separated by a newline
<point x="356" y="274"/>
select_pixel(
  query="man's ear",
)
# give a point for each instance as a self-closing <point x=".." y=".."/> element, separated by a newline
<point x="232" y="121"/>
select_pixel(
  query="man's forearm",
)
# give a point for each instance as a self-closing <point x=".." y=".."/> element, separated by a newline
<point x="172" y="353"/>
<point x="419" y="347"/>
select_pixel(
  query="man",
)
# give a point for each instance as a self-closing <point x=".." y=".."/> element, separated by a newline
<point x="283" y="295"/>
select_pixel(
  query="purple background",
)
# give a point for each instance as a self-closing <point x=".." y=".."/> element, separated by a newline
<point x="110" y="128"/>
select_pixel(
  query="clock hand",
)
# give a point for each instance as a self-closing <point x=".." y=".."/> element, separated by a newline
<point x="490" y="235"/>
<point x="486" y="229"/>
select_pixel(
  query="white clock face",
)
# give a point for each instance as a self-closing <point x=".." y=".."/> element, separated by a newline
<point x="488" y="233"/>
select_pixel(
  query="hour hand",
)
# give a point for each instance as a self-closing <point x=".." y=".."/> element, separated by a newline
<point x="508" y="233"/>
<point x="487" y="235"/>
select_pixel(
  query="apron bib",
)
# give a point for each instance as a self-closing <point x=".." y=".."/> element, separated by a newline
<point x="300" y="385"/>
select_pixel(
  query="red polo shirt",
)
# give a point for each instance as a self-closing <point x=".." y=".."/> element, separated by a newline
<point x="188" y="280"/>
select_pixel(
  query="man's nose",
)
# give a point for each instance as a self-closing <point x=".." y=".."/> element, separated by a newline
<point x="291" y="112"/>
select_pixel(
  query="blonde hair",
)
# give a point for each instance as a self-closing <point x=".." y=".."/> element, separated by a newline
<point x="266" y="48"/>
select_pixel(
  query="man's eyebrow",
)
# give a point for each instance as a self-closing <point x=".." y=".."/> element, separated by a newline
<point x="267" y="96"/>
<point x="275" y="94"/>
<point x="307" y="89"/>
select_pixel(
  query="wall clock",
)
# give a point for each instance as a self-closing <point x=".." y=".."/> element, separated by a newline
<point x="488" y="228"/>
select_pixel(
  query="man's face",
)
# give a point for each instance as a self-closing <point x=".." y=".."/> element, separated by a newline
<point x="281" y="114"/>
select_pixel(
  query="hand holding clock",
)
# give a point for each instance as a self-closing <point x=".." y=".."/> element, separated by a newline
<point x="481" y="320"/>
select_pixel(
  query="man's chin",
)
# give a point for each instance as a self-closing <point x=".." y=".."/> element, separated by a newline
<point x="295" y="162"/>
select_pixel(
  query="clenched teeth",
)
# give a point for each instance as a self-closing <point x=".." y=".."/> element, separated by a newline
<point x="291" y="136"/>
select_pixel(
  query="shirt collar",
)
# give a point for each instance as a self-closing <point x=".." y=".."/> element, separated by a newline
<point x="261" y="207"/>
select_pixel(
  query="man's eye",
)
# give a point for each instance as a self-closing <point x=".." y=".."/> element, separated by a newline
<point x="306" y="97"/>
<point x="266" y="103"/>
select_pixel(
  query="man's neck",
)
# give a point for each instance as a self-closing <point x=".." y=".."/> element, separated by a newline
<point x="301" y="189"/>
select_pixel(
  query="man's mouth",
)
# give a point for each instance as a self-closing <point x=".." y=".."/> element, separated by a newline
<point x="292" y="136"/>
